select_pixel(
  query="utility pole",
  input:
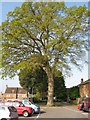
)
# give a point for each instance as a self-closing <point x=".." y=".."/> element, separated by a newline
<point x="89" y="41"/>
<point x="17" y="93"/>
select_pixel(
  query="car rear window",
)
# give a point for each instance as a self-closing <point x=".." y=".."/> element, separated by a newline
<point x="12" y="109"/>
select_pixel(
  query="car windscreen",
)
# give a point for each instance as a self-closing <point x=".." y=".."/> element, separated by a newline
<point x="26" y="102"/>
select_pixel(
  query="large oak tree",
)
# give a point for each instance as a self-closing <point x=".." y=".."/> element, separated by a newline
<point x="45" y="33"/>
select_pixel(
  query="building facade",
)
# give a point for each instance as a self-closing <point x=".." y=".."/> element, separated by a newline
<point x="14" y="93"/>
<point x="84" y="88"/>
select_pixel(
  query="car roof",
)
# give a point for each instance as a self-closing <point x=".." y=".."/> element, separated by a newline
<point x="6" y="106"/>
<point x="3" y="106"/>
<point x="13" y="99"/>
<point x="86" y="98"/>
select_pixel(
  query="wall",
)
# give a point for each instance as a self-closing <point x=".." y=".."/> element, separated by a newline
<point x="85" y="90"/>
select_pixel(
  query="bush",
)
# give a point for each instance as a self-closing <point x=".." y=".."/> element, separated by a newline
<point x="37" y="97"/>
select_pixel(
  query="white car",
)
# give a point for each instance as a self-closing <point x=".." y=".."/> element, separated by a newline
<point x="8" y="113"/>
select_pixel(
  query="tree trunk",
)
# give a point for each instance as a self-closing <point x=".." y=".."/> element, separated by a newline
<point x="50" y="86"/>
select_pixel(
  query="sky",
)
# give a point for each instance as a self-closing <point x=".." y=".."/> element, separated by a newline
<point x="76" y="75"/>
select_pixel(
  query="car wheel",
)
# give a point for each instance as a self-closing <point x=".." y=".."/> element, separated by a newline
<point x="25" y="113"/>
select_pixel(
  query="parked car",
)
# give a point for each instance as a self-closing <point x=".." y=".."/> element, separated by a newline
<point x="8" y="113"/>
<point x="27" y="103"/>
<point x="86" y="105"/>
<point x="21" y="108"/>
<point x="80" y="105"/>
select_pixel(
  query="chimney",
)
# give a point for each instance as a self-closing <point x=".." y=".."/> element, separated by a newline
<point x="6" y="86"/>
<point x="82" y="80"/>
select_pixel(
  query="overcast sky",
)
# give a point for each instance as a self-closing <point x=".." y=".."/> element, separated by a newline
<point x="76" y="75"/>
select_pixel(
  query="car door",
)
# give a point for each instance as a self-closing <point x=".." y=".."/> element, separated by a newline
<point x="13" y="112"/>
<point x="20" y="108"/>
<point x="16" y="105"/>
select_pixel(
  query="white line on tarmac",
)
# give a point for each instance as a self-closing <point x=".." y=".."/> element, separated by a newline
<point x="71" y="109"/>
<point x="37" y="116"/>
<point x="86" y="114"/>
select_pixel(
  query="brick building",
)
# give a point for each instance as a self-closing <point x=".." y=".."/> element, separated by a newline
<point x="84" y="88"/>
<point x="1" y="95"/>
<point x="14" y="92"/>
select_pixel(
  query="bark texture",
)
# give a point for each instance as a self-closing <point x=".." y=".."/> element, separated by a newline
<point x="50" y="86"/>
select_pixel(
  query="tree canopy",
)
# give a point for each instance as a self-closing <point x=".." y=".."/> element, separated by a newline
<point x="74" y="92"/>
<point x="45" y="33"/>
<point x="60" y="91"/>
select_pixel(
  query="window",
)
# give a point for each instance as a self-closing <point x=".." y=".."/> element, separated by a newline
<point x="13" y="91"/>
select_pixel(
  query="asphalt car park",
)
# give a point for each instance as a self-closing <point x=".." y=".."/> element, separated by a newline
<point x="63" y="112"/>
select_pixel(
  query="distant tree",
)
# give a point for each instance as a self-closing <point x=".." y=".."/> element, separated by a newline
<point x="74" y="92"/>
<point x="33" y="79"/>
<point x="59" y="87"/>
<point x="45" y="33"/>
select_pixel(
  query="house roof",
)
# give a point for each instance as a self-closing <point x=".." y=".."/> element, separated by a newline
<point x="85" y="82"/>
<point x="15" y="90"/>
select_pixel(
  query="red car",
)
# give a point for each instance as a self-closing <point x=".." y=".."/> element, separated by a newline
<point x="21" y="108"/>
<point x="80" y="105"/>
<point x="84" y="105"/>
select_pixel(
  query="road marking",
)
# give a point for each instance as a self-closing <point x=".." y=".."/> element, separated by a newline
<point x="85" y="113"/>
<point x="71" y="109"/>
<point x="37" y="116"/>
<point x="76" y="111"/>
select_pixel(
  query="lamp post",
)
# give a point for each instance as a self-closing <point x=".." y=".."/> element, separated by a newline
<point x="17" y="93"/>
